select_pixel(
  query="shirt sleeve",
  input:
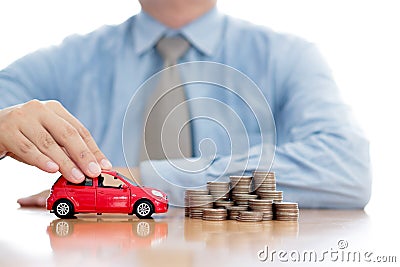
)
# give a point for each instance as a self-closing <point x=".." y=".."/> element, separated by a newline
<point x="31" y="77"/>
<point x="321" y="157"/>
<point x="324" y="160"/>
<point x="48" y="73"/>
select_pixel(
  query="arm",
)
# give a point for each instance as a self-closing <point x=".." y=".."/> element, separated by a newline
<point x="321" y="158"/>
<point x="43" y="133"/>
<point x="34" y="76"/>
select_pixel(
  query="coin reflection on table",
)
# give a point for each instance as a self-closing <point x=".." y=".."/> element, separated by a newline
<point x="286" y="228"/>
<point x="105" y="233"/>
<point x="236" y="235"/>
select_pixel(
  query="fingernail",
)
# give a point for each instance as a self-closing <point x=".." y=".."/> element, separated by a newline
<point x="77" y="174"/>
<point x="51" y="166"/>
<point x="105" y="164"/>
<point x="94" y="168"/>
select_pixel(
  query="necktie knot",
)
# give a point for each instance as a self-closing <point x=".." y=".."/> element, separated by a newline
<point x="171" y="49"/>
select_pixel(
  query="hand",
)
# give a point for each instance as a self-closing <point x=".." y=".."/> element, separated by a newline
<point x="44" y="134"/>
<point x="38" y="200"/>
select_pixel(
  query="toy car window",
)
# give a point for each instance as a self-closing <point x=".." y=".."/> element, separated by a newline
<point x="129" y="180"/>
<point x="110" y="182"/>
<point x="86" y="182"/>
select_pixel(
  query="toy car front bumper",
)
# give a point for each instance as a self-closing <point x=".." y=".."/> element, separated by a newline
<point x="160" y="206"/>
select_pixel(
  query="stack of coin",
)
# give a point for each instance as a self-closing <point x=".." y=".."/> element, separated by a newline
<point x="219" y="190"/>
<point x="223" y="204"/>
<point x="215" y="214"/>
<point x="276" y="196"/>
<point x="192" y="192"/>
<point x="250" y="216"/>
<point x="264" y="206"/>
<point x="265" y="203"/>
<point x="240" y="184"/>
<point x="286" y="211"/>
<point x="264" y="181"/>
<point x="234" y="211"/>
<point x="243" y="199"/>
<point x="197" y="203"/>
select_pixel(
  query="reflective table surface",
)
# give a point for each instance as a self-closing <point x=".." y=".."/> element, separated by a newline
<point x="35" y="237"/>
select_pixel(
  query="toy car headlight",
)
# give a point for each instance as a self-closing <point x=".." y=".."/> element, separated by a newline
<point x="157" y="193"/>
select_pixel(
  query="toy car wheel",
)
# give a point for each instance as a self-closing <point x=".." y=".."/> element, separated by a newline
<point x="63" y="228"/>
<point x="63" y="209"/>
<point x="143" y="209"/>
<point x="143" y="229"/>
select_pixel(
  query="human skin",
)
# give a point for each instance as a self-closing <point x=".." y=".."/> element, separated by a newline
<point x="44" y="134"/>
<point x="176" y="13"/>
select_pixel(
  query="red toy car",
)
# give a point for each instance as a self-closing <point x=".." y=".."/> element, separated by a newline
<point x="111" y="192"/>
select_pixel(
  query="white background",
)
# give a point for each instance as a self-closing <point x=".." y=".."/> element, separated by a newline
<point x="359" y="39"/>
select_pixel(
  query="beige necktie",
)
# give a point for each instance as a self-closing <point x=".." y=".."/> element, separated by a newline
<point x="167" y="132"/>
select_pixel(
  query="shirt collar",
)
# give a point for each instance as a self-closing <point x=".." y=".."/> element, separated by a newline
<point x="146" y="32"/>
<point x="204" y="33"/>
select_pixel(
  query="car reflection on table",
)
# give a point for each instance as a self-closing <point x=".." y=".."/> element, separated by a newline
<point x="106" y="233"/>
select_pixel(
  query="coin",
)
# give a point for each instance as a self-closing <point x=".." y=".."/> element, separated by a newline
<point x="233" y="211"/>
<point x="219" y="190"/>
<point x="192" y="192"/>
<point x="286" y="211"/>
<point x="223" y="204"/>
<point x="243" y="199"/>
<point x="214" y="214"/>
<point x="235" y="200"/>
<point x="264" y="180"/>
<point x="197" y="203"/>
<point x="276" y="196"/>
<point x="240" y="181"/>
<point x="250" y="216"/>
<point x="264" y="206"/>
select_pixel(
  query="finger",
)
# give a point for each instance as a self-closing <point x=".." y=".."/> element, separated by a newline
<point x="12" y="155"/>
<point x="25" y="151"/>
<point x="68" y="137"/>
<point x="24" y="147"/>
<point x="82" y="131"/>
<point x="47" y="145"/>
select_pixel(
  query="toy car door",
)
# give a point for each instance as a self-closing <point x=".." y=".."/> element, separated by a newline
<point x="83" y="194"/>
<point x="112" y="195"/>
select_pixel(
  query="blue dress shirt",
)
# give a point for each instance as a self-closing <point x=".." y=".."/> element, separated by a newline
<point x="321" y="157"/>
